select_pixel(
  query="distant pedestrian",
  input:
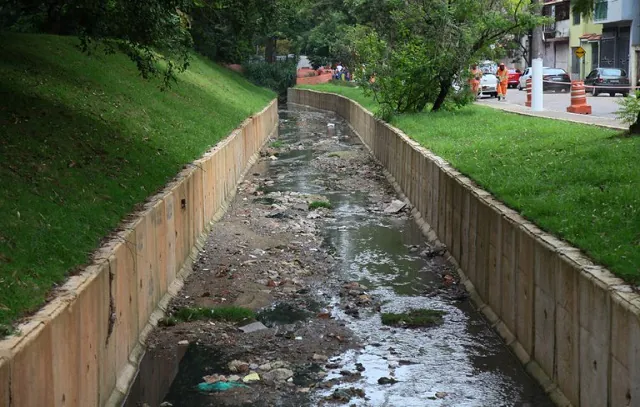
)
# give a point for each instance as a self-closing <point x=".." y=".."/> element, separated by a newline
<point x="503" y="81"/>
<point x="474" y="80"/>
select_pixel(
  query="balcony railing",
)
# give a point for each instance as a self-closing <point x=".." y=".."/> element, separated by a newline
<point x="601" y="10"/>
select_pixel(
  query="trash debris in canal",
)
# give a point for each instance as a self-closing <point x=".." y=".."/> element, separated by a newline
<point x="415" y="318"/>
<point x="219" y="386"/>
<point x="314" y="246"/>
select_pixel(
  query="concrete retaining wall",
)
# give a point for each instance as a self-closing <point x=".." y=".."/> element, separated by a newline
<point x="83" y="348"/>
<point x="573" y="324"/>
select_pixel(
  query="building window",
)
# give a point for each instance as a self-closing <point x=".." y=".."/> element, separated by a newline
<point x="562" y="11"/>
<point x="601" y="10"/>
<point x="576" y="18"/>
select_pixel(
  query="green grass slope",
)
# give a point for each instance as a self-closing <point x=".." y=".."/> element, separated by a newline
<point x="579" y="182"/>
<point x="85" y="139"/>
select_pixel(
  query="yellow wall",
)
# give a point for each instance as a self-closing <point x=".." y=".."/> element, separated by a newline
<point x="575" y="31"/>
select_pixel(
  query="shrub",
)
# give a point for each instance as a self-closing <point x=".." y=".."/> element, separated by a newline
<point x="319" y="204"/>
<point x="277" y="76"/>
<point x="629" y="112"/>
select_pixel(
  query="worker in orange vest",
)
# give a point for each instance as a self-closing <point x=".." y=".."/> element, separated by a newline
<point x="503" y="81"/>
<point x="474" y="79"/>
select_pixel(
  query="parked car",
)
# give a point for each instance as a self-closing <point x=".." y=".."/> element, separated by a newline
<point x="607" y="80"/>
<point x="522" y="81"/>
<point x="514" y="77"/>
<point x="556" y="79"/>
<point x="489" y="85"/>
<point x="549" y="76"/>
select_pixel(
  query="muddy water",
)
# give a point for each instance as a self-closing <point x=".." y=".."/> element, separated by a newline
<point x="462" y="362"/>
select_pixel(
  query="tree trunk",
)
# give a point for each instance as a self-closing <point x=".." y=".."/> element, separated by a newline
<point x="270" y="50"/>
<point x="445" y="85"/>
<point x="635" y="127"/>
<point x="537" y="42"/>
<point x="53" y="24"/>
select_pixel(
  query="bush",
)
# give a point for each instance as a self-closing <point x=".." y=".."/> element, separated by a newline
<point x="629" y="112"/>
<point x="277" y="76"/>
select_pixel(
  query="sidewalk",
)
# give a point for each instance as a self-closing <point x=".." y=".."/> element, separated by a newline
<point x="555" y="114"/>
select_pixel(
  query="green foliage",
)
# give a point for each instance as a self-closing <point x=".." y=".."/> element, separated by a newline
<point x="629" y="111"/>
<point x="228" y="313"/>
<point x="584" y="7"/>
<point x="319" y="204"/>
<point x="327" y="42"/>
<point x="83" y="142"/>
<point x="223" y="30"/>
<point x="277" y="76"/>
<point x="415" y="318"/>
<point x="425" y="45"/>
<point x="138" y="29"/>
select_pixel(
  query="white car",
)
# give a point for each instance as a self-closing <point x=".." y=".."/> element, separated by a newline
<point x="489" y="85"/>
<point x="522" y="82"/>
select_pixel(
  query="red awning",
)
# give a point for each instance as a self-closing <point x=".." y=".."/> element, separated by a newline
<point x="591" y="37"/>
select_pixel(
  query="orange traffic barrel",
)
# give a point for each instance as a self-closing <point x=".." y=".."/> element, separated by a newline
<point x="528" y="103"/>
<point x="578" y="99"/>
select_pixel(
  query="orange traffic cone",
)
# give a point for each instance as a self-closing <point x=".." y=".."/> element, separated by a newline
<point x="528" y="103"/>
<point x="578" y="99"/>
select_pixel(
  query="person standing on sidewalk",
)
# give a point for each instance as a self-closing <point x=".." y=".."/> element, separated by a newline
<point x="503" y="81"/>
<point x="474" y="80"/>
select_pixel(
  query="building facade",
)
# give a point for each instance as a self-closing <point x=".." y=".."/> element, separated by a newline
<point x="556" y="34"/>
<point x="586" y="34"/>
<point x="620" y="41"/>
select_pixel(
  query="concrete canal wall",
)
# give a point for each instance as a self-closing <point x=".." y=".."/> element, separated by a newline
<point x="83" y="348"/>
<point x="573" y="324"/>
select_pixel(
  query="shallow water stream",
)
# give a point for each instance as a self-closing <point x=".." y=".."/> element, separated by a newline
<point x="462" y="362"/>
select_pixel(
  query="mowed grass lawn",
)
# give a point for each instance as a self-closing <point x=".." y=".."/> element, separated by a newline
<point x="579" y="182"/>
<point x="83" y="140"/>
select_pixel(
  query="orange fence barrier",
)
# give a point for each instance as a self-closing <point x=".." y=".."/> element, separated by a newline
<point x="528" y="103"/>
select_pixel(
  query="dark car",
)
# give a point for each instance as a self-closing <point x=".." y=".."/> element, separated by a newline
<point x="555" y="79"/>
<point x="607" y="80"/>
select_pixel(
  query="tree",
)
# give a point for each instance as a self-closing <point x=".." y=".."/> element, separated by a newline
<point x="139" y="29"/>
<point x="537" y="39"/>
<point x="282" y="19"/>
<point x="224" y="30"/>
<point x="430" y="43"/>
<point x="584" y="7"/>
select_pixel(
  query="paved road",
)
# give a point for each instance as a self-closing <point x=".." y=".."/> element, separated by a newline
<point x="602" y="105"/>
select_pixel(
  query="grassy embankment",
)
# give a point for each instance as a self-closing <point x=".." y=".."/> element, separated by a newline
<point x="83" y="140"/>
<point x="579" y="182"/>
